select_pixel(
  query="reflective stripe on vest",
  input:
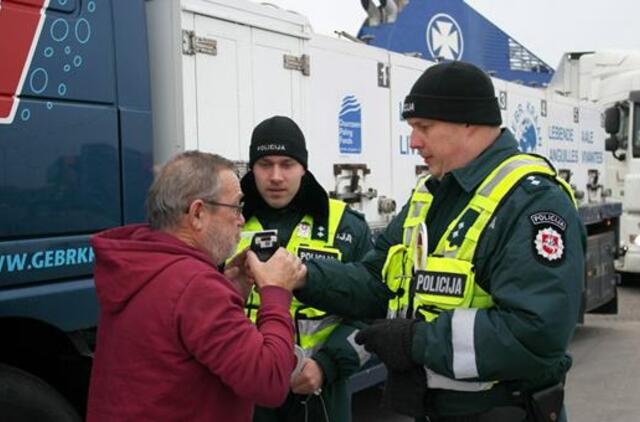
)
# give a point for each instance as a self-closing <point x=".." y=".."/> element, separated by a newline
<point x="313" y="326"/>
<point x="448" y="280"/>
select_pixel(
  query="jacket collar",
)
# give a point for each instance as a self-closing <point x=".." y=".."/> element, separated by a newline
<point x="471" y="175"/>
<point x="311" y="199"/>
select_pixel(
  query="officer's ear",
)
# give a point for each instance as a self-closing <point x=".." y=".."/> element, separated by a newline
<point x="469" y="129"/>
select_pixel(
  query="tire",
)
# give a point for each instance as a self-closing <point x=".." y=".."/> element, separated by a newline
<point x="26" y="398"/>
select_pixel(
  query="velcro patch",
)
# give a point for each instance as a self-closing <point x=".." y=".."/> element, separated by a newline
<point x="306" y="254"/>
<point x="319" y="232"/>
<point x="304" y="230"/>
<point x="548" y="218"/>
<point x="462" y="226"/>
<point x="440" y="283"/>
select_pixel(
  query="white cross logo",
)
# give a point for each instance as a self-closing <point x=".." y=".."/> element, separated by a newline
<point x="444" y="37"/>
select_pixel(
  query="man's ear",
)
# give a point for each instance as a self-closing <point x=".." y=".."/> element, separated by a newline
<point x="195" y="214"/>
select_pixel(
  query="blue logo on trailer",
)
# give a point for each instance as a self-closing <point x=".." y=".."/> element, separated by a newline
<point x="525" y="127"/>
<point x="444" y="37"/>
<point x="350" y="126"/>
<point x="453" y="30"/>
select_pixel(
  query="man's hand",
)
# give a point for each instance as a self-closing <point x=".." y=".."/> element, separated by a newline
<point x="391" y="340"/>
<point x="309" y="380"/>
<point x="283" y="269"/>
<point x="235" y="272"/>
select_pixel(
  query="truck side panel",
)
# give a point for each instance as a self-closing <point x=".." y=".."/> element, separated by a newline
<point x="76" y="156"/>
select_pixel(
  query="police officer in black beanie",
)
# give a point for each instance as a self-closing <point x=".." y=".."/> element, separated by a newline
<point x="282" y="194"/>
<point x="479" y="276"/>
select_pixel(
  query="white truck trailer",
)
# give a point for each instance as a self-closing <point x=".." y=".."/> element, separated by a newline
<point x="610" y="80"/>
<point x="219" y="67"/>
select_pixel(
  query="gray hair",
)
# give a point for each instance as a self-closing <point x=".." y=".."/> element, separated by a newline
<point x="182" y="180"/>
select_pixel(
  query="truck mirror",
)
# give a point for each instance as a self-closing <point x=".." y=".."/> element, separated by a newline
<point x="611" y="143"/>
<point x="612" y="120"/>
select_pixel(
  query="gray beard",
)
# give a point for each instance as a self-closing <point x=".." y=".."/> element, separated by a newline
<point x="222" y="249"/>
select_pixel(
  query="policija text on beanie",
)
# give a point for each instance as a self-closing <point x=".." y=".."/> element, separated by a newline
<point x="455" y="92"/>
<point x="278" y="135"/>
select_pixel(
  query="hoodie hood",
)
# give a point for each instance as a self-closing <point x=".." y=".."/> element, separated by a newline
<point x="130" y="257"/>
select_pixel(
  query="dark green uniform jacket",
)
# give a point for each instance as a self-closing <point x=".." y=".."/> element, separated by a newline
<point x="521" y="341"/>
<point x="339" y="357"/>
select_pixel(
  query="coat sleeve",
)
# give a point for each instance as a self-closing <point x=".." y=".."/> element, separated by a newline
<point x="355" y="224"/>
<point x="536" y="292"/>
<point x="340" y="357"/>
<point x="353" y="290"/>
<point x="255" y="361"/>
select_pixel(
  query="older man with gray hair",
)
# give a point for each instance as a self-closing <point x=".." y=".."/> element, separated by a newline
<point x="173" y="340"/>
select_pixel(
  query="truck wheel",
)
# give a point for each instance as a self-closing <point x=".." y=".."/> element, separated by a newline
<point x="25" y="398"/>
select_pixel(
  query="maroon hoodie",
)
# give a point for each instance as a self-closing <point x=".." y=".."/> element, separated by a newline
<point x="173" y="341"/>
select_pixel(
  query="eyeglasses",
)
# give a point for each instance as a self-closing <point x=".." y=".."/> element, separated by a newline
<point x="236" y="207"/>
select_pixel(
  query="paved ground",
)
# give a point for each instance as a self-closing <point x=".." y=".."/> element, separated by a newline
<point x="603" y="385"/>
<point x="605" y="380"/>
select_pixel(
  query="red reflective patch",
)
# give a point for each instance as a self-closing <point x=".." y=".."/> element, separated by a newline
<point x="20" y="26"/>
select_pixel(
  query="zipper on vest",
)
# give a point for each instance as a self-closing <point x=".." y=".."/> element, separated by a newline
<point x="412" y="294"/>
<point x="296" y="318"/>
<point x="401" y="289"/>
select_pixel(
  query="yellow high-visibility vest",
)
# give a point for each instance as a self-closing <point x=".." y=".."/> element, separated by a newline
<point x="448" y="281"/>
<point x="313" y="326"/>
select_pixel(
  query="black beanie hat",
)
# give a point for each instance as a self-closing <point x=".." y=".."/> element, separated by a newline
<point x="454" y="92"/>
<point x="278" y="135"/>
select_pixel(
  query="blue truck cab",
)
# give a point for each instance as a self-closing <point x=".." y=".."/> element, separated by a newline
<point x="75" y="158"/>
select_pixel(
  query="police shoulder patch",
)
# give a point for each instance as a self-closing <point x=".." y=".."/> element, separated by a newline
<point x="548" y="218"/>
<point x="549" y="244"/>
<point x="548" y="236"/>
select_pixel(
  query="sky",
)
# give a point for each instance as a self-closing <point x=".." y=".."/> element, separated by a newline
<point x="547" y="28"/>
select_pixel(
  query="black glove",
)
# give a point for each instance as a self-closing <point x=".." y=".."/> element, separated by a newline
<point x="406" y="392"/>
<point x="391" y="340"/>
